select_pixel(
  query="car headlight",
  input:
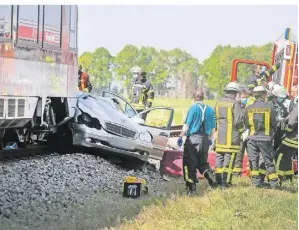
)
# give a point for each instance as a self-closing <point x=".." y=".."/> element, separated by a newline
<point x="86" y="119"/>
<point x="145" y="137"/>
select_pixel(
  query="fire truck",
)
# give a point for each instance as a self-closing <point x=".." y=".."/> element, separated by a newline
<point x="285" y="52"/>
<point x="38" y="70"/>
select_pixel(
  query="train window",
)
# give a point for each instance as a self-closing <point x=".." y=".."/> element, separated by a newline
<point x="28" y="23"/>
<point x="5" y="22"/>
<point x="52" y="25"/>
<point x="73" y="28"/>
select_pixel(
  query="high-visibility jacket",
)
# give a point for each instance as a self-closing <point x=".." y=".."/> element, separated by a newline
<point x="260" y="119"/>
<point x="291" y="138"/>
<point x="83" y="82"/>
<point x="229" y="124"/>
<point x="250" y="101"/>
<point x="142" y="95"/>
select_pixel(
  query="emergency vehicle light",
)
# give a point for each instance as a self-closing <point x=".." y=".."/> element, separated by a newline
<point x="287" y="34"/>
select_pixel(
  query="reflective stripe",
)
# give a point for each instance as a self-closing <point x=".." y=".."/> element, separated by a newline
<point x="273" y="176"/>
<point x="290" y="145"/>
<point x="250" y="101"/>
<point x="229" y="147"/>
<point x="230" y="167"/>
<point x="237" y="170"/>
<point x="274" y="68"/>
<point x="251" y="124"/>
<point x="262" y="171"/>
<point x="280" y="173"/>
<point x="219" y="170"/>
<point x="222" y="150"/>
<point x="267" y="123"/>
<point x="217" y="120"/>
<point x="229" y="127"/>
<point x="278" y="161"/>
<point x="251" y="85"/>
<point x="289" y="172"/>
<point x="266" y="112"/>
<point x="226" y="170"/>
<point x="187" y="179"/>
<point x="295" y="142"/>
<point x="254" y="173"/>
<point x="288" y="129"/>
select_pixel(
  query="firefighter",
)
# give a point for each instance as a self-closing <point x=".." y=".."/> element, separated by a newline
<point x="142" y="91"/>
<point x="245" y="93"/>
<point x="282" y="107"/>
<point x="229" y="128"/>
<point x="260" y="119"/>
<point x="254" y="78"/>
<point x="199" y="129"/>
<point x="83" y="81"/>
<point x="288" y="147"/>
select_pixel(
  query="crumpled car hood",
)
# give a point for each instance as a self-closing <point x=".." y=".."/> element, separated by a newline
<point x="99" y="107"/>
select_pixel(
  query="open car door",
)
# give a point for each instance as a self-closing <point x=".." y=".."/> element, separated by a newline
<point x="158" y="122"/>
<point x="123" y="104"/>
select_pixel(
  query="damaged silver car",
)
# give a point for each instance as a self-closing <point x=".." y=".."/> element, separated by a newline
<point x="108" y="122"/>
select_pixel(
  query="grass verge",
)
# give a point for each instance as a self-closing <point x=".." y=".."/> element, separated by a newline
<point x="180" y="106"/>
<point x="240" y="207"/>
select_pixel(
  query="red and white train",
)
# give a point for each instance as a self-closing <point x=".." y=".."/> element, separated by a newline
<point x="38" y="70"/>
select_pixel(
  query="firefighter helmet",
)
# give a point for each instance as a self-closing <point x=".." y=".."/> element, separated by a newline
<point x="279" y="91"/>
<point x="259" y="89"/>
<point x="232" y="86"/>
<point x="136" y="70"/>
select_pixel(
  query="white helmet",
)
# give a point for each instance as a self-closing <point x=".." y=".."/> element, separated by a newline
<point x="232" y="86"/>
<point x="279" y="91"/>
<point x="135" y="70"/>
<point x="271" y="85"/>
<point x="259" y="89"/>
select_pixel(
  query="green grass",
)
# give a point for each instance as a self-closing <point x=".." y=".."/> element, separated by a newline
<point x="180" y="106"/>
<point x="240" y="207"/>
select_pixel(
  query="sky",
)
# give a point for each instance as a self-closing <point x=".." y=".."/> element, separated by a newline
<point x="196" y="29"/>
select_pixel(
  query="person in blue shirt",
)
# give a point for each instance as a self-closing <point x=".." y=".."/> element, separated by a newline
<point x="199" y="128"/>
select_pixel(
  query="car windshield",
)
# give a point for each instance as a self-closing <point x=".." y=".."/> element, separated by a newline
<point x="114" y="104"/>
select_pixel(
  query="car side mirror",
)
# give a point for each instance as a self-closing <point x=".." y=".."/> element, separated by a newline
<point x="138" y="120"/>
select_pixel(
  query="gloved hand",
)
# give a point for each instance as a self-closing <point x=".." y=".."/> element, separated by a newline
<point x="210" y="142"/>
<point x="245" y="134"/>
<point x="85" y="90"/>
<point x="180" y="142"/>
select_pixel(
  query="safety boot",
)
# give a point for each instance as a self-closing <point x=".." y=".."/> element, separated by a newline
<point x="218" y="178"/>
<point x="191" y="189"/>
<point x="290" y="179"/>
<point x="274" y="183"/>
<point x="208" y="174"/>
<point x="256" y="182"/>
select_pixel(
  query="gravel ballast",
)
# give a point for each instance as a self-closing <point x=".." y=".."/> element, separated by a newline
<point x="56" y="192"/>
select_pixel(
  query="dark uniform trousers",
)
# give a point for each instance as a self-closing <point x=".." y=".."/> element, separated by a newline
<point x="283" y="159"/>
<point x="255" y="150"/>
<point x="195" y="157"/>
<point x="239" y="159"/>
<point x="224" y="167"/>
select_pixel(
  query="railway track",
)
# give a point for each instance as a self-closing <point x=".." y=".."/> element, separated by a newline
<point x="25" y="153"/>
<point x="39" y="151"/>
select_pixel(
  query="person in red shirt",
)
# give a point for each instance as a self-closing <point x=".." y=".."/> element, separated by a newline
<point x="83" y="81"/>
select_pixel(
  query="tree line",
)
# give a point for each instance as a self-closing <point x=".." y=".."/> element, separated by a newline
<point x="174" y="71"/>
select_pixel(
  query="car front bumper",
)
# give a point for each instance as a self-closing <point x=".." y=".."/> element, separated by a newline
<point x="93" y="138"/>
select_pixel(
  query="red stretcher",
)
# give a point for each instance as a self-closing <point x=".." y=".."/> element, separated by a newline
<point x="172" y="163"/>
